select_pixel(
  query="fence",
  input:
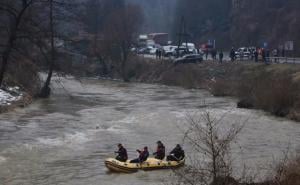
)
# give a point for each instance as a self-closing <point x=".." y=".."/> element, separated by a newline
<point x="284" y="60"/>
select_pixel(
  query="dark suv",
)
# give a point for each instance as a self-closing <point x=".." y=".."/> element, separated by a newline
<point x="188" y="59"/>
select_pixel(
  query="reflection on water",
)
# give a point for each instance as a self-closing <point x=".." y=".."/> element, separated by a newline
<point x="64" y="140"/>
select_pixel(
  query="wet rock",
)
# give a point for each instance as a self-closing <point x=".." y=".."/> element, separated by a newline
<point x="245" y="103"/>
<point x="282" y="112"/>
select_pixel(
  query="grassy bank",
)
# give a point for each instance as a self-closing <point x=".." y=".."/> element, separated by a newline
<point x="273" y="88"/>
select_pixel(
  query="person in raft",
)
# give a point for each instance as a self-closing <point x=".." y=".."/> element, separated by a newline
<point x="177" y="154"/>
<point x="160" y="151"/>
<point x="143" y="156"/>
<point x="122" y="153"/>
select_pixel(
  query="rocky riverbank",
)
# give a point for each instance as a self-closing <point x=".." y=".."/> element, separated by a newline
<point x="21" y="83"/>
<point x="13" y="97"/>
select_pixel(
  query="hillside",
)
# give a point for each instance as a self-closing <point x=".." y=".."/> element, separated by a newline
<point x="272" y="21"/>
<point x="158" y="14"/>
<point x="241" y="22"/>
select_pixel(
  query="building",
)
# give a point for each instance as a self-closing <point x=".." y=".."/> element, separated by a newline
<point x="159" y="38"/>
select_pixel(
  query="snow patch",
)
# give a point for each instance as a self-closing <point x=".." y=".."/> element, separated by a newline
<point x="10" y="95"/>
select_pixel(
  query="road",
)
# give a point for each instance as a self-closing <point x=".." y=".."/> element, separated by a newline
<point x="274" y="60"/>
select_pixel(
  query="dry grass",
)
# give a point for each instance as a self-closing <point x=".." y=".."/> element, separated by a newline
<point x="286" y="172"/>
<point x="270" y="88"/>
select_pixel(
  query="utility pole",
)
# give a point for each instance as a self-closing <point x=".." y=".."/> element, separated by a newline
<point x="182" y="35"/>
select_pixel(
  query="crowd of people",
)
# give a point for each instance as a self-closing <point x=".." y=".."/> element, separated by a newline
<point x="254" y="54"/>
<point x="259" y="53"/>
<point x="177" y="154"/>
<point x="159" y="53"/>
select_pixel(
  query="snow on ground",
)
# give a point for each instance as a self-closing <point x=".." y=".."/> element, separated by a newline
<point x="6" y="98"/>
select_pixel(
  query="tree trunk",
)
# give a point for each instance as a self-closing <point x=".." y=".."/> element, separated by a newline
<point x="104" y="66"/>
<point x="46" y="90"/>
<point x="11" y="41"/>
<point x="213" y="150"/>
<point x="5" y="59"/>
<point x="124" y="63"/>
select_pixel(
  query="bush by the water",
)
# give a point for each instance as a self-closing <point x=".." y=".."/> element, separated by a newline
<point x="24" y="74"/>
<point x="270" y="88"/>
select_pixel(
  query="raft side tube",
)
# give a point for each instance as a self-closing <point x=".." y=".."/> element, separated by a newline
<point x="151" y="164"/>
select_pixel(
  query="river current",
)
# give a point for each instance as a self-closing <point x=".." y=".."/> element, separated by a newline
<point x="64" y="140"/>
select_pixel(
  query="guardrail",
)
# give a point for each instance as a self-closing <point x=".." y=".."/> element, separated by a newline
<point x="281" y="60"/>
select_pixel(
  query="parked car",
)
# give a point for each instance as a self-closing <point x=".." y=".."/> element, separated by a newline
<point x="169" y="50"/>
<point x="243" y="53"/>
<point x="147" y="50"/>
<point x="152" y="51"/>
<point x="190" y="47"/>
<point x="190" y="58"/>
<point x="181" y="51"/>
<point x="142" y="51"/>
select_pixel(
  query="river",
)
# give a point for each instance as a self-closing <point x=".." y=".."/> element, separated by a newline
<point x="64" y="140"/>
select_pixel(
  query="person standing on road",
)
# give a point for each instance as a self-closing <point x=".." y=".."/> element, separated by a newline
<point x="156" y="53"/>
<point x="256" y="55"/>
<point x="214" y="54"/>
<point x="268" y="55"/>
<point x="275" y="55"/>
<point x="159" y="53"/>
<point x="232" y="55"/>
<point x="263" y="55"/>
<point x="221" y="55"/>
<point x="283" y="52"/>
<point x="206" y="54"/>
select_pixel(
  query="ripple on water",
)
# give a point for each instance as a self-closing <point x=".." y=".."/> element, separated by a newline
<point x="2" y="159"/>
<point x="128" y="119"/>
<point x="68" y="139"/>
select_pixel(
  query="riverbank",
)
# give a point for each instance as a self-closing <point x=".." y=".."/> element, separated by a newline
<point x="12" y="97"/>
<point x="273" y="88"/>
<point x="21" y="84"/>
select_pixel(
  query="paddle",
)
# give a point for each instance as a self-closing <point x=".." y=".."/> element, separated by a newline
<point x="175" y="157"/>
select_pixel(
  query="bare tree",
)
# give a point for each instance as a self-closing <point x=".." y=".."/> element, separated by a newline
<point x="45" y="92"/>
<point x="14" y="13"/>
<point x="211" y="140"/>
<point x="286" y="169"/>
<point x="120" y="33"/>
<point x="59" y="12"/>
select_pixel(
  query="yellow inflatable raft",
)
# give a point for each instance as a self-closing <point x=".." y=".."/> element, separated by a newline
<point x="151" y="164"/>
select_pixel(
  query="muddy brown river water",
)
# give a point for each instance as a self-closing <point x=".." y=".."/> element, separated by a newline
<point x="65" y="139"/>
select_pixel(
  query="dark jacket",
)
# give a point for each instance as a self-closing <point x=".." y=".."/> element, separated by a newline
<point x="178" y="153"/>
<point x="160" y="152"/>
<point x="122" y="154"/>
<point x="232" y="54"/>
<point x="143" y="155"/>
